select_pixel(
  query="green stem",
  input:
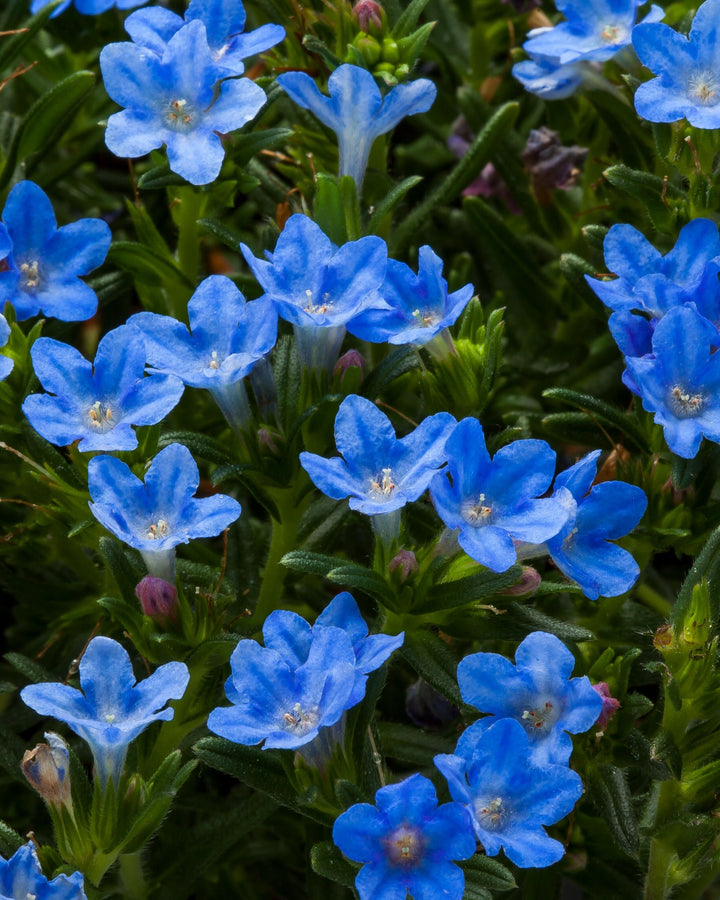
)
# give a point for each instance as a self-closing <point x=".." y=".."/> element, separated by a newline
<point x="189" y="209"/>
<point x="657" y="882"/>
<point x="132" y="877"/>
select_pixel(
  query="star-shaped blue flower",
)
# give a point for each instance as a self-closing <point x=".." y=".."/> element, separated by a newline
<point x="508" y="795"/>
<point x="378" y="471"/>
<point x="44" y="262"/>
<point x="493" y="501"/>
<point x="420" y="306"/>
<point x="407" y="843"/>
<point x="97" y="404"/>
<point x="680" y="381"/>
<point x="227" y="337"/>
<point x="111" y="709"/>
<point x="688" y="82"/>
<point x="170" y="99"/>
<point x="607" y="512"/>
<point x="224" y="23"/>
<point x="548" y="79"/>
<point x="537" y="691"/>
<point x="157" y="515"/>
<point x="88" y="7"/>
<point x="319" y="287"/>
<point x="21" y="877"/>
<point x="356" y="110"/>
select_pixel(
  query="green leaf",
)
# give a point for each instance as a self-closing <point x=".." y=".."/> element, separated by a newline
<point x="32" y="670"/>
<point x="412" y="745"/>
<point x="433" y="661"/>
<point x="651" y="190"/>
<point x="482" y="872"/>
<point x="398" y="363"/>
<point x="474" y="588"/>
<point x="609" y="791"/>
<point x="362" y="579"/>
<point x="218" y="229"/>
<point x="242" y="147"/>
<point x="49" y="115"/>
<point x="11" y="45"/>
<point x="603" y="412"/>
<point x="160" y="177"/>
<point x="328" y="861"/>
<point x="200" y="445"/>
<point x="409" y="18"/>
<point x="388" y="203"/>
<point x="122" y="568"/>
<point x="311" y="563"/>
<point x="706" y="566"/>
<point x="146" y="265"/>
<point x="575" y="268"/>
<point x="329" y="209"/>
<point x="10" y="840"/>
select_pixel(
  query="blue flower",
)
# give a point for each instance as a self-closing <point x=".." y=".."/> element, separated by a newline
<point x="420" y="306"/>
<point x="537" y="691"/>
<point x="493" y="501"/>
<point x="97" y="405"/>
<point x="688" y="82"/>
<point x="378" y="471"/>
<point x="6" y="365"/>
<point x="21" y="877"/>
<point x="680" y="381"/>
<point x="170" y="99"/>
<point x="549" y="80"/>
<point x="508" y="795"/>
<point x="156" y="516"/>
<point x="227" y="337"/>
<point x="292" y="637"/>
<point x="44" y="261"/>
<point x="318" y="287"/>
<point x="224" y="23"/>
<point x="356" y="110"/>
<point x="279" y="699"/>
<point x="607" y="512"/>
<point x="406" y="843"/>
<point x="111" y="709"/>
<point x="88" y="7"/>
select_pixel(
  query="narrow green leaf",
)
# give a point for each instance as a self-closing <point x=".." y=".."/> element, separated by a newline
<point x="603" y="412"/>
<point x="433" y="661"/>
<point x="398" y="363"/>
<point x="12" y="45"/>
<point x="480" y="871"/>
<point x="474" y="588"/>
<point x="706" y="566"/>
<point x="328" y="861"/>
<point x="219" y="230"/>
<point x="123" y="569"/>
<point x="390" y="201"/>
<point x="609" y="791"/>
<point x="409" y="18"/>
<point x="10" y="840"/>
<point x="361" y="579"/>
<point x="32" y="670"/>
<point x="146" y="265"/>
<point x="311" y="563"/>
<point x="412" y="745"/>
<point x="200" y="445"/>
<point x="160" y="177"/>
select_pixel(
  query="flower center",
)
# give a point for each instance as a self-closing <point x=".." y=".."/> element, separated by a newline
<point x="317" y="308"/>
<point x="476" y="513"/>
<point x="101" y="417"/>
<point x="29" y="275"/>
<point x="684" y="404"/>
<point x="214" y="364"/>
<point x="612" y="34"/>
<point x="491" y="814"/>
<point x="704" y="88"/>
<point x="109" y="718"/>
<point x="300" y="721"/>
<point x="404" y="846"/>
<point x="181" y="116"/>
<point x="425" y="318"/>
<point x="158" y="530"/>
<point x="382" y="485"/>
<point x="539" y="719"/>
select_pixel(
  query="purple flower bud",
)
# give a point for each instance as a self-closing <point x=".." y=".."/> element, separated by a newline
<point x="550" y="164"/>
<point x="266" y="440"/>
<point x="609" y="704"/>
<point x="427" y="708"/>
<point x="47" y="770"/>
<point x="367" y="13"/>
<point x="350" y="360"/>
<point x="405" y="562"/>
<point x="488" y="183"/>
<point x="158" y="599"/>
<point x="527" y="586"/>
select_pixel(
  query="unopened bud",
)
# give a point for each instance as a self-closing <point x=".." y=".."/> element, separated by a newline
<point x="266" y="440"/>
<point x="405" y="563"/>
<point x="527" y="586"/>
<point x="609" y="704"/>
<point x="158" y="599"/>
<point x="47" y="769"/>
<point x="350" y="360"/>
<point x="368" y="48"/>
<point x="369" y="15"/>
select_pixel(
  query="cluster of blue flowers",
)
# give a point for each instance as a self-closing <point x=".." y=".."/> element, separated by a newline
<point x="666" y="312"/>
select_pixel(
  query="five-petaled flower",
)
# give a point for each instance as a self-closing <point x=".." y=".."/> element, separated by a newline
<point x="508" y="794"/>
<point x="170" y="99"/>
<point x="356" y="110"/>
<point x="111" y="709"/>
<point x="97" y="404"/>
<point x="44" y="262"/>
<point x="537" y="691"/>
<point x="87" y="7"/>
<point x="157" y="515"/>
<point x="21" y="877"/>
<point x="407" y="843"/>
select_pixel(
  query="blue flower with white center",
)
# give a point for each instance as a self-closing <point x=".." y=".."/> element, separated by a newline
<point x="495" y="501"/>
<point x="319" y="287"/>
<point x="379" y="471"/>
<point x="356" y="110"/>
<point x="87" y="7"/>
<point x="21" y="877"/>
<point x="407" y="843"/>
<point x="606" y="512"/>
<point x="509" y="796"/>
<point x="227" y="337"/>
<point x="6" y="365"/>
<point x="292" y="637"/>
<point x="688" y="81"/>
<point x="537" y="691"/>
<point x="157" y="515"/>
<point x="97" y="404"/>
<point x="285" y="699"/>
<point x="171" y="99"/>
<point x="420" y="306"/>
<point x="594" y="31"/>
<point x="111" y="709"/>
<point x="44" y="262"/>
<point x="224" y="23"/>
<point x="680" y="381"/>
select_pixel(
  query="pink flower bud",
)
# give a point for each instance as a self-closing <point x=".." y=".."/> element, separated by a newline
<point x="158" y="599"/>
<point x="527" y="586"/>
<point x="350" y="360"/>
<point x="266" y="440"/>
<point x="367" y="13"/>
<point x="609" y="704"/>
<point x="405" y="562"/>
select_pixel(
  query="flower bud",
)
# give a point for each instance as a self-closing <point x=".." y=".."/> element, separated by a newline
<point x="609" y="704"/>
<point x="427" y="708"/>
<point x="527" y="586"/>
<point x="158" y="599"/>
<point x="369" y="15"/>
<point x="368" y="48"/>
<point x="47" y="770"/>
<point x="350" y="360"/>
<point x="405" y="563"/>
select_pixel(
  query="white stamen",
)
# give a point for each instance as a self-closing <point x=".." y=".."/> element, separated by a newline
<point x="157" y="530"/>
<point x="30" y="272"/>
<point x="383" y="485"/>
<point x="704" y="88"/>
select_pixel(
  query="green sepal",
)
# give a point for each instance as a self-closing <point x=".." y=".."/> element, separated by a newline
<point x="327" y="860"/>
